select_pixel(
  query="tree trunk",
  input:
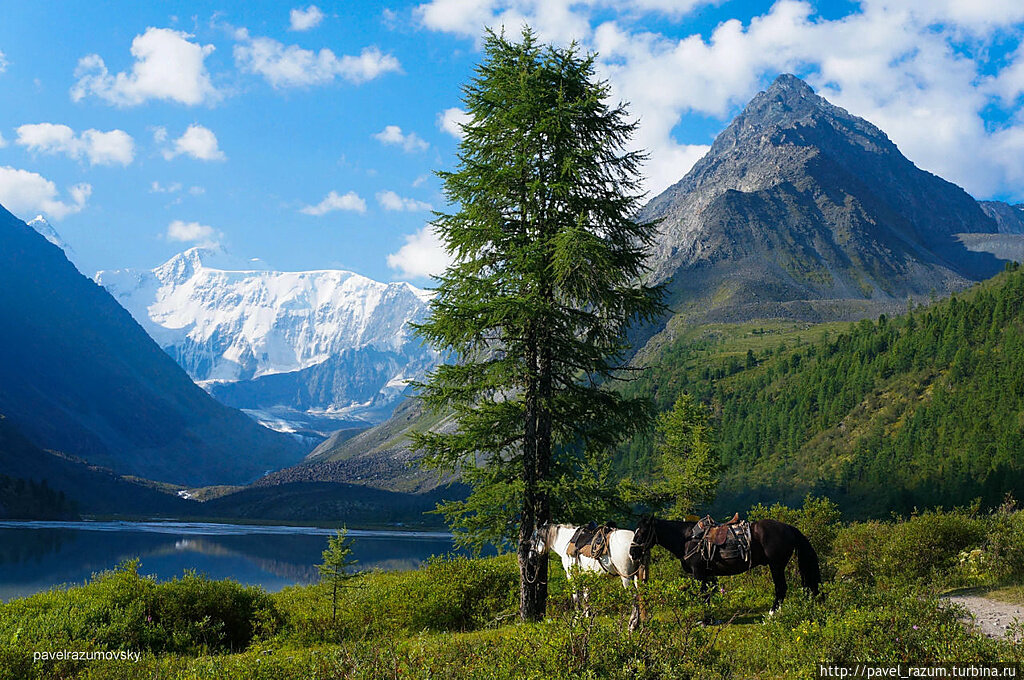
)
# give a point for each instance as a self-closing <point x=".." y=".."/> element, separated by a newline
<point x="334" y="603"/>
<point x="533" y="578"/>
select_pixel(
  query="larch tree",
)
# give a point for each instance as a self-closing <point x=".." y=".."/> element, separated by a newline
<point x="547" y="276"/>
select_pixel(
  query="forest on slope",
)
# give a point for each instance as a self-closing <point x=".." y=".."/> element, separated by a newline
<point x="922" y="410"/>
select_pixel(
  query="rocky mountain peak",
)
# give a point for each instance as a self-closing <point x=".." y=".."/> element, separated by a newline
<point x="799" y="202"/>
<point x="790" y="113"/>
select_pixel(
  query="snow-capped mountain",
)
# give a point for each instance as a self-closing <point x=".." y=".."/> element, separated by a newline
<point x="47" y="231"/>
<point x="290" y="348"/>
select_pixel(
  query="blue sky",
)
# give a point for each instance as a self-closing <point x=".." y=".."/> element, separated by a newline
<point x="307" y="135"/>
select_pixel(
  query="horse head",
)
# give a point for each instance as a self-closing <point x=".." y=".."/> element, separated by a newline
<point x="539" y="540"/>
<point x="643" y="539"/>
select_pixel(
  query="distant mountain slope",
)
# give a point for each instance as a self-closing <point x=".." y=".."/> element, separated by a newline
<point x="79" y="375"/>
<point x="914" y="411"/>
<point x="328" y="343"/>
<point x="801" y="210"/>
<point x="1009" y="218"/>
<point x="327" y="501"/>
<point x="92" y="489"/>
<point x="379" y="457"/>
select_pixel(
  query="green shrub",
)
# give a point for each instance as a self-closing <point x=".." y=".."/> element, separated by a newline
<point x="123" y="610"/>
<point x="196" y="613"/>
<point x="1003" y="559"/>
<point x="448" y="594"/>
<point x="857" y="551"/>
<point x="927" y="547"/>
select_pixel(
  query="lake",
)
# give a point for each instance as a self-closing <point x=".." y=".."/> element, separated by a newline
<point x="35" y="556"/>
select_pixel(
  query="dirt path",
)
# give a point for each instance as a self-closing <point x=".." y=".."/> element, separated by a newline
<point x="990" y="617"/>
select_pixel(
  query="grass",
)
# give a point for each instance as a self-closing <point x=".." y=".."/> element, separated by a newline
<point x="1010" y="594"/>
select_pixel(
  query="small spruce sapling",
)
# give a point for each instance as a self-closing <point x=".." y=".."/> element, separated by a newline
<point x="334" y="570"/>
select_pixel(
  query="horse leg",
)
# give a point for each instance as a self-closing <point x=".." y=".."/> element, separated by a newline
<point x="779" y="579"/>
<point x="636" y="614"/>
<point x="708" y="583"/>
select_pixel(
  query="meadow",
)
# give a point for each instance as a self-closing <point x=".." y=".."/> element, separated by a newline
<point x="456" y="617"/>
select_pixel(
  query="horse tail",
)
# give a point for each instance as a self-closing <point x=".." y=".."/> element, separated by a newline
<point x="810" y="572"/>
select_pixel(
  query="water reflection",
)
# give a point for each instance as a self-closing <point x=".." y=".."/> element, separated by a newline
<point x="35" y="556"/>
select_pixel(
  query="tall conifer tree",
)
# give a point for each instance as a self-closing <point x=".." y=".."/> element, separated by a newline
<point x="546" y="280"/>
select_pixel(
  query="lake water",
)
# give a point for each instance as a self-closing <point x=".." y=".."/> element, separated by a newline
<point x="35" y="556"/>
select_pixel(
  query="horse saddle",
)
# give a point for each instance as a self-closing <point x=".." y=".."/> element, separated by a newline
<point x="727" y="541"/>
<point x="590" y="541"/>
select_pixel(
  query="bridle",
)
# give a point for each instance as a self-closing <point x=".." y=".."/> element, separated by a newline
<point x="534" y="539"/>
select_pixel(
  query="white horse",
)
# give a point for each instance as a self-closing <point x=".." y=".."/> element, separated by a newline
<point x="624" y="559"/>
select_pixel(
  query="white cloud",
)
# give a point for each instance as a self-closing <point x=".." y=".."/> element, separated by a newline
<point x="293" y="66"/>
<point x="27" y="193"/>
<point x="157" y="188"/>
<point x="167" y="66"/>
<point x="3" y="142"/>
<point x="557" y="21"/>
<point x="196" y="191"/>
<point x="389" y="200"/>
<point x="451" y="121"/>
<point x="422" y="256"/>
<point x="193" y="232"/>
<point x="3" y="62"/>
<point x="333" y="201"/>
<point x="100" y="148"/>
<point x="927" y="73"/>
<point x="198" y="142"/>
<point x="393" y="135"/>
<point x="107" y="148"/>
<point x="305" y="19"/>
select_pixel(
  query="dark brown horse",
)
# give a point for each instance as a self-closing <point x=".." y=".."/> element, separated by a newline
<point x="772" y="543"/>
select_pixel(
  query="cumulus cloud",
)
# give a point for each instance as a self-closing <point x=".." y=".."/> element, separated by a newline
<point x="422" y="256"/>
<point x="292" y="66"/>
<point x="393" y="136"/>
<point x="305" y="19"/>
<point x="100" y="148"/>
<point x="168" y="65"/>
<point x="923" y="72"/>
<point x="3" y="62"/>
<point x="451" y="121"/>
<point x="334" y="201"/>
<point x="197" y="142"/>
<point x="3" y="142"/>
<point x="27" y="193"/>
<point x="193" y="232"/>
<point x="389" y="200"/>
